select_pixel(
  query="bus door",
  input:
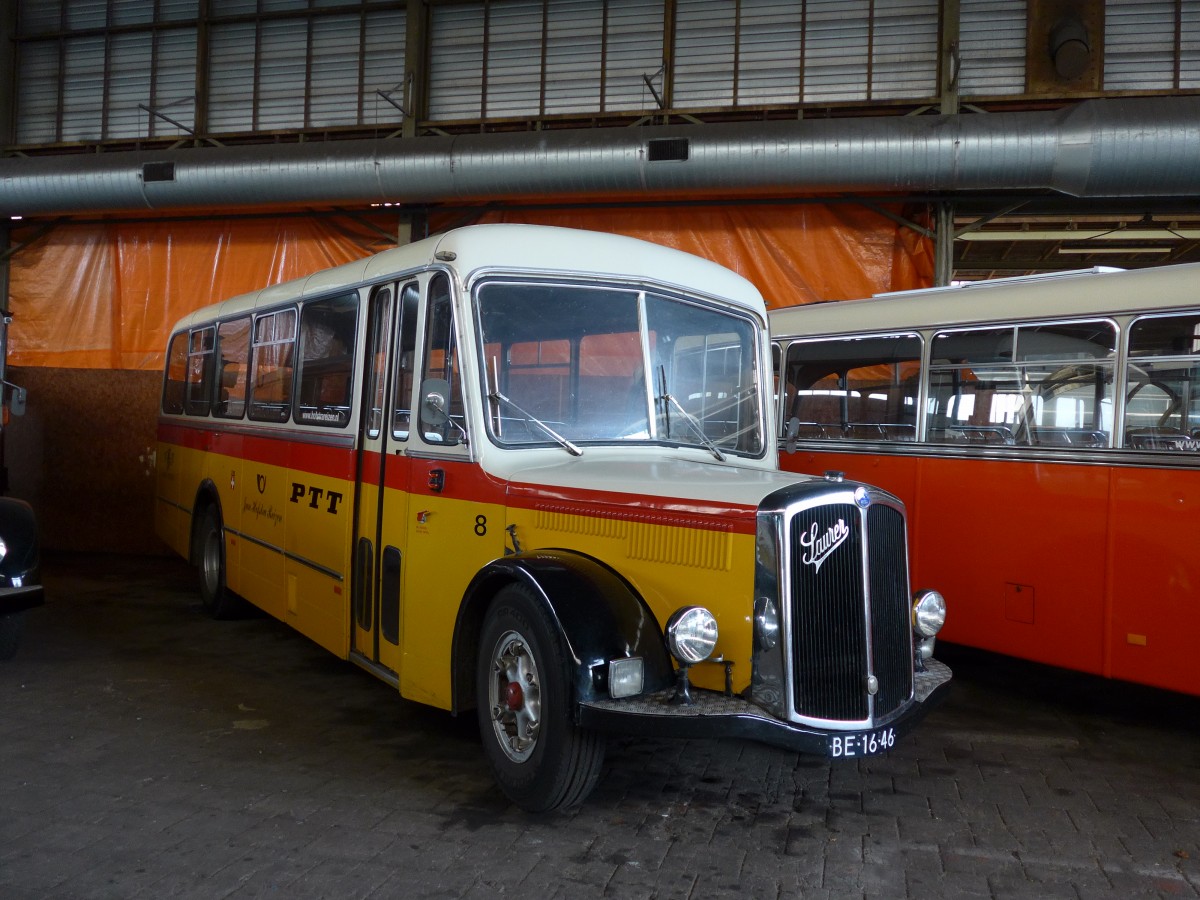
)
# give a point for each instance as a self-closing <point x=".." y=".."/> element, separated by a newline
<point x="383" y="475"/>
<point x="455" y="521"/>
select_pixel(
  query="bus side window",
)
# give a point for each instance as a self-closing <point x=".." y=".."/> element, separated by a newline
<point x="410" y="296"/>
<point x="859" y="389"/>
<point x="200" y="371"/>
<point x="974" y="406"/>
<point x="818" y="408"/>
<point x="1023" y="385"/>
<point x="376" y="374"/>
<point x="1162" y="406"/>
<point x="1068" y="368"/>
<point x="807" y="386"/>
<point x="176" y="377"/>
<point x="441" y="407"/>
<point x="975" y="394"/>
<point x="233" y="369"/>
<point x="272" y="355"/>
<point x="327" y="329"/>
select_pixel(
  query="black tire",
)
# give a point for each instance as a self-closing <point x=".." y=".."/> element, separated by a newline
<point x="539" y="758"/>
<point x="218" y="600"/>
<point x="12" y="626"/>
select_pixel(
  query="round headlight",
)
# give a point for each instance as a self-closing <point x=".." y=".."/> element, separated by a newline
<point x="3" y="549"/>
<point x="691" y="634"/>
<point x="929" y="613"/>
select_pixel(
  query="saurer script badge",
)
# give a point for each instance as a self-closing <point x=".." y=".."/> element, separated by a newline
<point x="819" y="547"/>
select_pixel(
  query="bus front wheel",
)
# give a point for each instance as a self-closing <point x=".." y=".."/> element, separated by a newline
<point x="540" y="759"/>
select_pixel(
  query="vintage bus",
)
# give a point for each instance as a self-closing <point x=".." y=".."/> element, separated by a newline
<point x="1044" y="433"/>
<point x="530" y="472"/>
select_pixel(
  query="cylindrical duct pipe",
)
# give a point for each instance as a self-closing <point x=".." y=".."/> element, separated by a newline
<point x="1098" y="148"/>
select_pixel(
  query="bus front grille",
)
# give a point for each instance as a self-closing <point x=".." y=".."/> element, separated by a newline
<point x="848" y="625"/>
<point x="891" y="623"/>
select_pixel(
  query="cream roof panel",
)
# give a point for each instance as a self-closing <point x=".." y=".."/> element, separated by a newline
<point x="1071" y="295"/>
<point x="515" y="248"/>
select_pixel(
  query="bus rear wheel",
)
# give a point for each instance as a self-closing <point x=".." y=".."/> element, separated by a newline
<point x="539" y="758"/>
<point x="218" y="601"/>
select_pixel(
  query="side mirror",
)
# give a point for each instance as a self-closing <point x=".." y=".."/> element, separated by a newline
<point x="435" y="402"/>
<point x="791" y="433"/>
<point x="436" y="424"/>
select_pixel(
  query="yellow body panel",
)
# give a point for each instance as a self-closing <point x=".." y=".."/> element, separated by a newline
<point x="172" y="516"/>
<point x="255" y="509"/>
<point x="670" y="566"/>
<point x="289" y="551"/>
<point x="318" y="529"/>
<point x="278" y="544"/>
<point x="449" y="540"/>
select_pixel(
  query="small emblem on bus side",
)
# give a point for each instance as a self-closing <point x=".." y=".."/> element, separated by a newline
<point x="818" y="547"/>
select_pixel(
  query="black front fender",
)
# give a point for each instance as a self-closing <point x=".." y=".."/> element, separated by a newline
<point x="599" y="615"/>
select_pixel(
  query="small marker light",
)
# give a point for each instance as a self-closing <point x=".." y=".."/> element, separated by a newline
<point x="625" y="677"/>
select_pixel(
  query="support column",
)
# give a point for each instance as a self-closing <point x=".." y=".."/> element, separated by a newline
<point x="5" y="318"/>
<point x="8" y="74"/>
<point x="5" y="243"/>
<point x="943" y="244"/>
<point x="414" y="97"/>
<point x="950" y="57"/>
<point x="203" y="56"/>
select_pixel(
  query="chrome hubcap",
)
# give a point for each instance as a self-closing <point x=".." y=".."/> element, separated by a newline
<point x="515" y="697"/>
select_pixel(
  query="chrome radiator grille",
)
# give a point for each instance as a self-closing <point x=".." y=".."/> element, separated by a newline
<point x="891" y="623"/>
<point x="846" y="624"/>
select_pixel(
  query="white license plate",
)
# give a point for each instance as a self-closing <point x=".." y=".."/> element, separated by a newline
<point x="868" y="743"/>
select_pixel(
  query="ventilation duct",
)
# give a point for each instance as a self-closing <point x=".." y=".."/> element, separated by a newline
<point x="1099" y="148"/>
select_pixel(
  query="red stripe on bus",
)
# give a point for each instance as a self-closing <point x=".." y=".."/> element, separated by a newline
<point x="463" y="479"/>
<point x="680" y="511"/>
<point x="317" y="457"/>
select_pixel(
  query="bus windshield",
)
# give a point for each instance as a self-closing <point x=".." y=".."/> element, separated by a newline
<point x="576" y="364"/>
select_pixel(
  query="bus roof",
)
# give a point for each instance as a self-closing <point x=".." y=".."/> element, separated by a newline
<point x="513" y="248"/>
<point x="1064" y="296"/>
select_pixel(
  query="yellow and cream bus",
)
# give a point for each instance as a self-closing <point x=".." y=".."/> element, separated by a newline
<point x="531" y="472"/>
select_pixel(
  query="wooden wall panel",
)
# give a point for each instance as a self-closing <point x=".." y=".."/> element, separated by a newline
<point x="79" y="455"/>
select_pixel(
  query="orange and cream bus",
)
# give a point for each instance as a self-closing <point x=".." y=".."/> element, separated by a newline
<point x="1045" y="434"/>
<point x="530" y="472"/>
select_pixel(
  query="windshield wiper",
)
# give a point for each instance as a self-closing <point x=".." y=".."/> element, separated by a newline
<point x="534" y="420"/>
<point x="697" y="426"/>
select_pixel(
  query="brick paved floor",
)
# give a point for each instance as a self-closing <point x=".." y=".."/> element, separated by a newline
<point x="147" y="751"/>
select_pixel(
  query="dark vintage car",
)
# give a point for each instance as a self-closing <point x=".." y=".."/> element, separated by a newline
<point x="20" y="575"/>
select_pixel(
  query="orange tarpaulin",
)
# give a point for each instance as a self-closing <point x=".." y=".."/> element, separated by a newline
<point x="793" y="253"/>
<point x="106" y="295"/>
